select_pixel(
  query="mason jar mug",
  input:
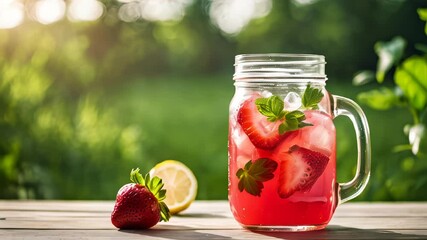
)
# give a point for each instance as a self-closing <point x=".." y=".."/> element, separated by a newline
<point x="282" y="144"/>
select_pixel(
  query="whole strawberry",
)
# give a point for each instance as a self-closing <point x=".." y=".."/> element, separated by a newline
<point x="139" y="205"/>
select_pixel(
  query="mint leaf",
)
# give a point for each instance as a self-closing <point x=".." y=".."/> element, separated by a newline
<point x="271" y="107"/>
<point x="254" y="173"/>
<point x="311" y="97"/>
<point x="293" y="121"/>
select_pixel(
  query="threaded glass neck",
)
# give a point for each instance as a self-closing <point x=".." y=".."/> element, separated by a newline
<point x="280" y="67"/>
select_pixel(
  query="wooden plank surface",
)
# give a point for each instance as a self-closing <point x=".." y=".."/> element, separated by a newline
<point x="203" y="220"/>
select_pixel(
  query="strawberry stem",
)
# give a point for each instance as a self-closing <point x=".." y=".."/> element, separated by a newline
<point x="154" y="185"/>
<point x="136" y="177"/>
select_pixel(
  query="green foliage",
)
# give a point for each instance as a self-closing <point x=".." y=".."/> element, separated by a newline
<point x="410" y="78"/>
<point x="422" y="12"/>
<point x="389" y="54"/>
<point x="54" y="135"/>
<point x="82" y="103"/>
<point x="363" y="77"/>
<point x="410" y="92"/>
<point x="380" y="99"/>
<point x="182" y="118"/>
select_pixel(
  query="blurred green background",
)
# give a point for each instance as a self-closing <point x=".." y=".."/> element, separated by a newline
<point x="90" y="89"/>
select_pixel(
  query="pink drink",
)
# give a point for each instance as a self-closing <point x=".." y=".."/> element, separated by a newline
<point x="301" y="187"/>
<point x="282" y="145"/>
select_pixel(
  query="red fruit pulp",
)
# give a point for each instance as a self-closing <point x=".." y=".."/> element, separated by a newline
<point x="299" y="170"/>
<point x="311" y="207"/>
<point x="261" y="132"/>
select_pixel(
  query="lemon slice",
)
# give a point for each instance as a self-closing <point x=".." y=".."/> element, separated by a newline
<point x="180" y="184"/>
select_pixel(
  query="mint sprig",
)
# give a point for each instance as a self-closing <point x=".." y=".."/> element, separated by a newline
<point x="312" y="97"/>
<point x="154" y="185"/>
<point x="253" y="174"/>
<point x="294" y="120"/>
<point x="273" y="109"/>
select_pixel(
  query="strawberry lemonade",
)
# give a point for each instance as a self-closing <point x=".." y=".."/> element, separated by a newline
<point x="282" y="159"/>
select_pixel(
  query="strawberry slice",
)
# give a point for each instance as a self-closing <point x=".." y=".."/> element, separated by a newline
<point x="262" y="133"/>
<point x="299" y="170"/>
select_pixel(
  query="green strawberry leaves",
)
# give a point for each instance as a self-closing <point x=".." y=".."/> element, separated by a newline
<point x="254" y="173"/>
<point x="164" y="212"/>
<point x="136" y="177"/>
<point x="273" y="109"/>
<point x="154" y="185"/>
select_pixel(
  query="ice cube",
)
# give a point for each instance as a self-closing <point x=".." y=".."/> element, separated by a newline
<point x="321" y="140"/>
<point x="321" y="136"/>
<point x="292" y="101"/>
<point x="244" y="146"/>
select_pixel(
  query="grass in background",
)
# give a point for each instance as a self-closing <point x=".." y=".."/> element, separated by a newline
<point x="182" y="119"/>
<point x="187" y="119"/>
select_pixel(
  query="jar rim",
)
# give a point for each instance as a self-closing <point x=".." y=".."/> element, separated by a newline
<point x="248" y="57"/>
<point x="279" y="66"/>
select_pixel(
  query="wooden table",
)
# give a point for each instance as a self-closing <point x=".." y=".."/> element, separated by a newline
<point x="203" y="220"/>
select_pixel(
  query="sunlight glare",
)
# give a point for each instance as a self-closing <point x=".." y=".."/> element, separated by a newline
<point x="153" y="10"/>
<point x="231" y="16"/>
<point x="302" y="3"/>
<point x="11" y="13"/>
<point x="163" y="10"/>
<point x="129" y="12"/>
<point x="85" y="10"/>
<point x="49" y="11"/>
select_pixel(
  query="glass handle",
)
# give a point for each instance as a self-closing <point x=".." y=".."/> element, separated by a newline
<point x="346" y="107"/>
